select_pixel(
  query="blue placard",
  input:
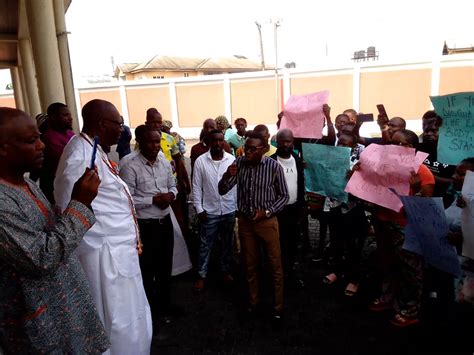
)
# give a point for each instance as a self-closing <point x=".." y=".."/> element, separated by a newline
<point x="426" y="233"/>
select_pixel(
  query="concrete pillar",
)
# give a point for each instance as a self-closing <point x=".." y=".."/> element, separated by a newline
<point x="17" y="88"/>
<point x="45" y="50"/>
<point x="23" y="86"/>
<point x="66" y="69"/>
<point x="31" y="85"/>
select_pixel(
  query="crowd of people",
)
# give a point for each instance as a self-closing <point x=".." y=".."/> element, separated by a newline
<point x="87" y="254"/>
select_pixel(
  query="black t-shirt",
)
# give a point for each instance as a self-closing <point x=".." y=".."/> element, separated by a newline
<point x="440" y="170"/>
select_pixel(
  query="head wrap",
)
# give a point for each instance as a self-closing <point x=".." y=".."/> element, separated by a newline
<point x="167" y="124"/>
<point x="223" y="121"/>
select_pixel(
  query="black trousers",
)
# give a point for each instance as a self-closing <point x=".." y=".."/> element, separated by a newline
<point x="290" y="234"/>
<point x="347" y="235"/>
<point x="156" y="261"/>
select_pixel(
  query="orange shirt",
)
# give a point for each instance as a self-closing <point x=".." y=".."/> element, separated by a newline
<point x="385" y="214"/>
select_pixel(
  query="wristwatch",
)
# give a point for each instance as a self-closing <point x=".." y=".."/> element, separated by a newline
<point x="268" y="213"/>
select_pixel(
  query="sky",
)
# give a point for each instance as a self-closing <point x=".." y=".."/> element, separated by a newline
<point x="311" y="33"/>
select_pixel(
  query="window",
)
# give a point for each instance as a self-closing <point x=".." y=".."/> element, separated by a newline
<point x="158" y="77"/>
<point x="186" y="75"/>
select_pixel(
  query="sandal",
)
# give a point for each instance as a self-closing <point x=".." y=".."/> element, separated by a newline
<point x="330" y="279"/>
<point x="402" y="321"/>
<point x="351" y="289"/>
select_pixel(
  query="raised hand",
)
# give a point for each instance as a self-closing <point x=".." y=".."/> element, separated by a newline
<point x="86" y="187"/>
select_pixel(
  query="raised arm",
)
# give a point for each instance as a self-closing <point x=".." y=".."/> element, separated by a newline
<point x="35" y="251"/>
<point x="229" y="179"/>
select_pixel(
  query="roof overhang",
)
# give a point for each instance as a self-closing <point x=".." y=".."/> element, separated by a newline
<point x="12" y="26"/>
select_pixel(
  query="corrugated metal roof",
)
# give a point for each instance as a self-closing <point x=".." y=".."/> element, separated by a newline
<point x="158" y="62"/>
<point x="163" y="62"/>
<point x="126" y="67"/>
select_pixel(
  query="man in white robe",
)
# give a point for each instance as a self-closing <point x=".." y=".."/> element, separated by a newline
<point x="108" y="252"/>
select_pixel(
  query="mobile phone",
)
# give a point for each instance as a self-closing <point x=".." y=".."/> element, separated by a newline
<point x="367" y="117"/>
<point x="381" y="109"/>
<point x="94" y="151"/>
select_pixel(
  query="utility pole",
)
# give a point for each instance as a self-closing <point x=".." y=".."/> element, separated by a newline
<point x="262" y="58"/>
<point x="276" y="23"/>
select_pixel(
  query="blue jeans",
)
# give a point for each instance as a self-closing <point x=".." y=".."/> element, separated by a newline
<point x="221" y="227"/>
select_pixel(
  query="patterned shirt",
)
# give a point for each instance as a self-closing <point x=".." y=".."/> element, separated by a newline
<point x="235" y="141"/>
<point x="45" y="304"/>
<point x="168" y="146"/>
<point x="260" y="187"/>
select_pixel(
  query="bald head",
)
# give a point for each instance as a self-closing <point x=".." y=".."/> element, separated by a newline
<point x="398" y="121"/>
<point x="352" y="114"/>
<point x="284" y="143"/>
<point x="209" y="125"/>
<point x="395" y="124"/>
<point x="102" y="119"/>
<point x="284" y="134"/>
<point x="94" y="110"/>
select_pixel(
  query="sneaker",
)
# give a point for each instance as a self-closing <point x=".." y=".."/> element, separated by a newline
<point x="402" y="321"/>
<point x="198" y="285"/>
<point x="277" y="320"/>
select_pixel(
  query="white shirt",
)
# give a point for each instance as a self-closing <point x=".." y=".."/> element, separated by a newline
<point x="108" y="250"/>
<point x="112" y="207"/>
<point x="291" y="177"/>
<point x="145" y="181"/>
<point x="206" y="176"/>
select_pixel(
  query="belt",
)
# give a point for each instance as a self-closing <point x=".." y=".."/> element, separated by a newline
<point x="161" y="220"/>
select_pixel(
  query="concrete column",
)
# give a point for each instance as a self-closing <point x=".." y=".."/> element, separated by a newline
<point x="228" y="99"/>
<point x="31" y="85"/>
<point x="45" y="50"/>
<point x="356" y="87"/>
<point x="286" y="86"/>
<point x="124" y="105"/>
<point x="23" y="86"/>
<point x="66" y="69"/>
<point x="17" y="88"/>
<point x="435" y="77"/>
<point x="174" y="105"/>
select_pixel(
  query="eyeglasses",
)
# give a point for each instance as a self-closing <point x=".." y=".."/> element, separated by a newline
<point x="402" y="144"/>
<point x="251" y="149"/>
<point x="120" y="124"/>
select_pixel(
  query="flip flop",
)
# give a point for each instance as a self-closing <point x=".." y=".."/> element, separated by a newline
<point x="329" y="279"/>
<point x="351" y="289"/>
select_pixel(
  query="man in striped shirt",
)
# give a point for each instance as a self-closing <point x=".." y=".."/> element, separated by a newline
<point x="262" y="192"/>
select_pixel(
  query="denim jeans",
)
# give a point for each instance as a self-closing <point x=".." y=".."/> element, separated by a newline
<point x="214" y="227"/>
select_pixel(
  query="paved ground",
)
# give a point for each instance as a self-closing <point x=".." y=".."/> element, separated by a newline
<point x="319" y="320"/>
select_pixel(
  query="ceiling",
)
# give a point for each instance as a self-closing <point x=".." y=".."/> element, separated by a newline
<point x="9" y="29"/>
<point x="8" y="32"/>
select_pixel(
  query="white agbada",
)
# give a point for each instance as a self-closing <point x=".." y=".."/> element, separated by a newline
<point x="108" y="251"/>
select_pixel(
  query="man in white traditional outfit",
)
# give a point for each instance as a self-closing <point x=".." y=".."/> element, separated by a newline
<point x="108" y="252"/>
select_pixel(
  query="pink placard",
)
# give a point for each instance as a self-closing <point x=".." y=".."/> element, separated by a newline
<point x="303" y="114"/>
<point x="383" y="167"/>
